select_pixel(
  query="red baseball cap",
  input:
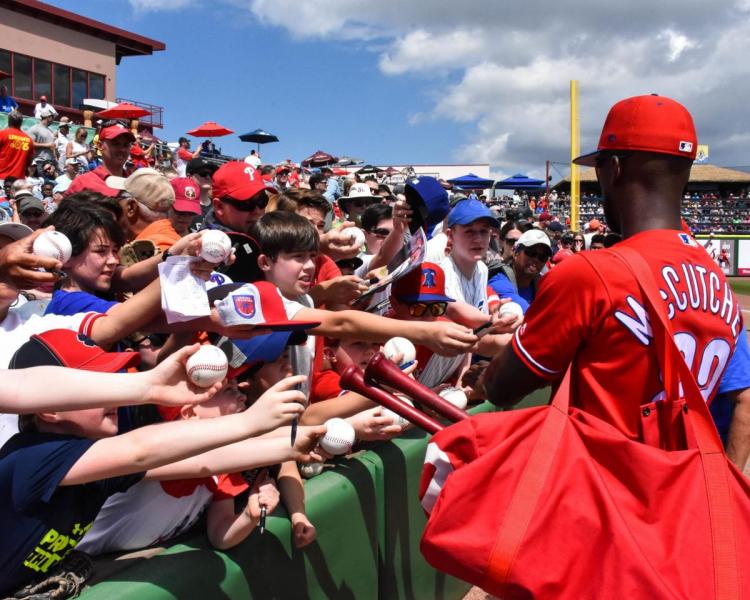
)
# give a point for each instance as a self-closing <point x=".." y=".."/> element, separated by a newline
<point x="186" y="195"/>
<point x="114" y="131"/>
<point x="650" y="123"/>
<point x="66" y="348"/>
<point x="259" y="303"/>
<point x="425" y="283"/>
<point x="239" y="181"/>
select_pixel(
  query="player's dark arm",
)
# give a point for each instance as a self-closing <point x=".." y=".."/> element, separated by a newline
<point x="738" y="439"/>
<point x="507" y="380"/>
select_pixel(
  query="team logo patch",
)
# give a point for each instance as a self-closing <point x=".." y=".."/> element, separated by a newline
<point x="190" y="193"/>
<point x="687" y="239"/>
<point x="429" y="278"/>
<point x="86" y="341"/>
<point x="686" y="146"/>
<point x="244" y="306"/>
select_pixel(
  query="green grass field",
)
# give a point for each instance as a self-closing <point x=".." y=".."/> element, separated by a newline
<point x="740" y="285"/>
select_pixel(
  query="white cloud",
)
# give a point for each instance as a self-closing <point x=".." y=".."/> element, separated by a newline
<point x="503" y="68"/>
<point x="158" y="5"/>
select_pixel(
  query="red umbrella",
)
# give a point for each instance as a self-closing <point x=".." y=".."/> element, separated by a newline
<point x="319" y="159"/>
<point x="123" y="111"/>
<point x="209" y="129"/>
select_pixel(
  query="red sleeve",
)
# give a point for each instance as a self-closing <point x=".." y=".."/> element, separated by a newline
<point x="569" y="306"/>
<point x="230" y="486"/>
<point x="184" y="154"/>
<point x="325" y="385"/>
<point x="327" y="269"/>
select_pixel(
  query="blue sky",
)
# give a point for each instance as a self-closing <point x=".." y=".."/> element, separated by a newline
<point x="226" y="66"/>
<point x="436" y="81"/>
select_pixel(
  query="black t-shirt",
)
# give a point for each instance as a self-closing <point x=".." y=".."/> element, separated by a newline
<point x="41" y="522"/>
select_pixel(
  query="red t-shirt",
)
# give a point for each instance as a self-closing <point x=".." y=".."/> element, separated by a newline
<point x="325" y="269"/>
<point x="595" y="316"/>
<point x="16" y="151"/>
<point x="185" y="154"/>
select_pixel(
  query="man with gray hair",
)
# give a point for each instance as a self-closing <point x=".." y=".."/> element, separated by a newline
<point x="44" y="138"/>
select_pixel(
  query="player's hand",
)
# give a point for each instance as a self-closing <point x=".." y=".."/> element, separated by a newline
<point x="507" y="323"/>
<point x="470" y="381"/>
<point x="18" y="264"/>
<point x="169" y="385"/>
<point x="303" y="531"/>
<point x="306" y="448"/>
<point x="448" y="339"/>
<point x="278" y="406"/>
<point x="338" y="245"/>
<point x="372" y="425"/>
<point x="263" y="492"/>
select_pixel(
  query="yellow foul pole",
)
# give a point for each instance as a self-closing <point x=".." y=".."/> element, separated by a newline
<point x="575" y="150"/>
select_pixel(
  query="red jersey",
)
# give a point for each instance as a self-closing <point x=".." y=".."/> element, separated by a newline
<point x="594" y="316"/>
<point x="16" y="152"/>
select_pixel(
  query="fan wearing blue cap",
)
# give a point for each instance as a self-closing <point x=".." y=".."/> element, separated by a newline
<point x="470" y="224"/>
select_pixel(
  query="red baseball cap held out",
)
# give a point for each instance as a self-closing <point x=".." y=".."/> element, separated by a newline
<point x="239" y="181"/>
<point x="425" y="283"/>
<point x="649" y="123"/>
<point x="186" y="195"/>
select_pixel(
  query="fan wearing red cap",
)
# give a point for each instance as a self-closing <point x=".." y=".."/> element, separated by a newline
<point x="240" y="196"/>
<point x="643" y="163"/>
<point x="58" y="472"/>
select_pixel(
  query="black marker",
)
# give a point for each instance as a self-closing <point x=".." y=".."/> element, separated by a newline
<point x="262" y="522"/>
<point x="481" y="328"/>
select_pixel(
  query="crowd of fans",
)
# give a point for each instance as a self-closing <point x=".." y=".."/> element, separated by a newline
<point x="126" y="453"/>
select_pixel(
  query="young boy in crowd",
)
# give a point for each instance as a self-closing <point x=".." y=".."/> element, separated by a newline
<point x="57" y="473"/>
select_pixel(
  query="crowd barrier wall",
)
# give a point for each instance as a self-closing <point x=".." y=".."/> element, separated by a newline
<point x="369" y="522"/>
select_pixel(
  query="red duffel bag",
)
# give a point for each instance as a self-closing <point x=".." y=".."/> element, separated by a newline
<point x="552" y="502"/>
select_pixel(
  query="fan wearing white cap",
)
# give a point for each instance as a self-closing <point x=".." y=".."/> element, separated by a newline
<point x="519" y="280"/>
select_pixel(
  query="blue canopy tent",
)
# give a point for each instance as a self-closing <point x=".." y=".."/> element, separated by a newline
<point x="519" y="181"/>
<point x="472" y="182"/>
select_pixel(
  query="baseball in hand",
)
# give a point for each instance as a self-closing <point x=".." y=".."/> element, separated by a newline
<point x="356" y="233"/>
<point x="397" y="419"/>
<point x="215" y="246"/>
<point x="339" y="437"/>
<point x="207" y="366"/>
<point x="53" y="244"/>
<point x="511" y="308"/>
<point x="400" y="345"/>
<point x="455" y="396"/>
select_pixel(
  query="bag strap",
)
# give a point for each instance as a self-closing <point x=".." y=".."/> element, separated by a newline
<point x="713" y="459"/>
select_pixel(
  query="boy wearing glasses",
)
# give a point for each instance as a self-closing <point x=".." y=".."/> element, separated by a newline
<point x="519" y="280"/>
<point x="240" y="197"/>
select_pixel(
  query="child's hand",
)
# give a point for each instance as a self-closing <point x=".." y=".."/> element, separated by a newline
<point x="448" y="339"/>
<point x="263" y="493"/>
<point x="278" y="405"/>
<point x="18" y="265"/>
<point x="168" y="383"/>
<point x="306" y="449"/>
<point x="372" y="425"/>
<point x="303" y="532"/>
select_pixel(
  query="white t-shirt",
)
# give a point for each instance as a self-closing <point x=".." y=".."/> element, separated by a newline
<point x="435" y="249"/>
<point x="253" y="160"/>
<point x="16" y="330"/>
<point x="145" y="515"/>
<point x="301" y="356"/>
<point x="473" y="291"/>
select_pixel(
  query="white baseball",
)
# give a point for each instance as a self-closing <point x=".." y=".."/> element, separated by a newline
<point x="356" y="233"/>
<point x="53" y="244"/>
<point x="400" y="345"/>
<point x="207" y="366"/>
<point x="215" y="246"/>
<point x="339" y="437"/>
<point x="455" y="396"/>
<point x="396" y="418"/>
<point x="312" y="469"/>
<point x="511" y="308"/>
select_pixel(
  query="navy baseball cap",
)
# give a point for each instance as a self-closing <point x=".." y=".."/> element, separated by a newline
<point x="429" y="202"/>
<point x="468" y="211"/>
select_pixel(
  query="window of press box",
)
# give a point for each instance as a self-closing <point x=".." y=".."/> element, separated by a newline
<point x="80" y="87"/>
<point x="62" y="85"/>
<point x="96" y="86"/>
<point x="22" y="76"/>
<point x="5" y="66"/>
<point x="42" y="79"/>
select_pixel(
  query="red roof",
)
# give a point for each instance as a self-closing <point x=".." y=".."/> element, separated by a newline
<point x="126" y="42"/>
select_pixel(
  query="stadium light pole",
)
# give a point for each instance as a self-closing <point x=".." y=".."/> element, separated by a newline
<point x="575" y="189"/>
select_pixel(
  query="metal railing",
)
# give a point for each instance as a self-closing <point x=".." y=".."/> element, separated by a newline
<point x="155" y="119"/>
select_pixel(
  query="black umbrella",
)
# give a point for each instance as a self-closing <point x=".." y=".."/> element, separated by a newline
<point x="259" y="136"/>
<point x="369" y="170"/>
<point x="319" y="159"/>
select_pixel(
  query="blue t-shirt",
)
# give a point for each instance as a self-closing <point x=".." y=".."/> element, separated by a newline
<point x="7" y="104"/>
<point x="73" y="303"/>
<point x="736" y="377"/>
<point x="504" y="288"/>
<point x="40" y="520"/>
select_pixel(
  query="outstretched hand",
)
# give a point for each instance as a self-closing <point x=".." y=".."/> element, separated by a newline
<point x="23" y="269"/>
<point x="169" y="384"/>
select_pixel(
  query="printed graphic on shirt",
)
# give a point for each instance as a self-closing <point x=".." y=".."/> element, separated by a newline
<point x="53" y="547"/>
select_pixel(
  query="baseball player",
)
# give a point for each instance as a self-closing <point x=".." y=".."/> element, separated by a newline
<point x="601" y="325"/>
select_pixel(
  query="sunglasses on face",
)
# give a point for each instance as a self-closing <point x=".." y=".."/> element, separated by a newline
<point x="540" y="255"/>
<point x="381" y="232"/>
<point x="205" y="174"/>
<point x="510" y="241"/>
<point x="157" y="340"/>
<point x="247" y="205"/>
<point x="436" y="309"/>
